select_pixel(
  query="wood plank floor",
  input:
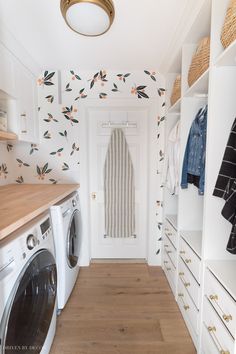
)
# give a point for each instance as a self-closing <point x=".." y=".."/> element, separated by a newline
<point x="121" y="309"/>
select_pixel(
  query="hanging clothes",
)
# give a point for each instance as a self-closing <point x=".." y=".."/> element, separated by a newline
<point x="119" y="188"/>
<point x="225" y="187"/>
<point x="171" y="166"/>
<point x="193" y="170"/>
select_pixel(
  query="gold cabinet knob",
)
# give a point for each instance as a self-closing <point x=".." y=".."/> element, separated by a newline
<point x="168" y="268"/>
<point x="94" y="195"/>
<point x="227" y="318"/>
<point x="182" y="252"/>
<point x="165" y="262"/>
<point x="188" y="260"/>
<point x="181" y="274"/>
<point x="213" y="297"/>
<point x="211" y="329"/>
<point x="186" y="285"/>
<point x="168" y="252"/>
<point x="186" y="307"/>
<point x="180" y="294"/>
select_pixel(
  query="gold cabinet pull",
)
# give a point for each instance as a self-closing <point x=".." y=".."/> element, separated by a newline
<point x="166" y="246"/>
<point x="94" y="195"/>
<point x="211" y="329"/>
<point x="186" y="307"/>
<point x="182" y="252"/>
<point x="180" y="294"/>
<point x="227" y="318"/>
<point x="168" y="252"/>
<point x="181" y="274"/>
<point x="169" y="234"/>
<point x="166" y="262"/>
<point x="213" y="297"/>
<point x="188" y="260"/>
<point x="168" y="269"/>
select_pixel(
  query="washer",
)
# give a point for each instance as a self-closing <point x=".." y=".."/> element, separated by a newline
<point x="28" y="283"/>
<point x="66" y="225"/>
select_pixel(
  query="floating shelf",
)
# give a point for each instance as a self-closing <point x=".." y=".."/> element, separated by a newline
<point x="200" y="87"/>
<point x="194" y="239"/>
<point x="228" y="56"/>
<point x="175" y="109"/>
<point x="7" y="136"/>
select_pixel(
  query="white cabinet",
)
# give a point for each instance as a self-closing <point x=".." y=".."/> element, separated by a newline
<point x="26" y="104"/>
<point x="18" y="96"/>
<point x="7" y="81"/>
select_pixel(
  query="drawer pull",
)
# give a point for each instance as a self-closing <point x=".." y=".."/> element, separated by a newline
<point x="213" y="297"/>
<point x="212" y="330"/>
<point x="166" y="262"/>
<point x="168" y="269"/>
<point x="182" y="252"/>
<point x="169" y="234"/>
<point x="188" y="260"/>
<point x="23" y="115"/>
<point x="227" y="318"/>
<point x="168" y="252"/>
<point x="186" y="307"/>
<point x="186" y="284"/>
<point x="166" y="246"/>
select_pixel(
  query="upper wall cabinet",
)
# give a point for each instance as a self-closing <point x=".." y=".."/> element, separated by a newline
<point x="26" y="104"/>
<point x="18" y="98"/>
<point x="7" y="82"/>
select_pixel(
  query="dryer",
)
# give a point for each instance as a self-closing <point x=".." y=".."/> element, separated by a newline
<point x="28" y="288"/>
<point x="66" y="223"/>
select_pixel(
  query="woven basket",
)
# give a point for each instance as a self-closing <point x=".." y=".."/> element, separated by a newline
<point x="228" y="34"/>
<point x="200" y="60"/>
<point x="176" y="91"/>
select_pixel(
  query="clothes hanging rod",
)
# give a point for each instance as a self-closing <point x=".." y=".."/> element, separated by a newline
<point x="119" y="125"/>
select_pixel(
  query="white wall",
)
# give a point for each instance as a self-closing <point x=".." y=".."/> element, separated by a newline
<point x="57" y="158"/>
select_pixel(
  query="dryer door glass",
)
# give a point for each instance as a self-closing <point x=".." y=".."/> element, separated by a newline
<point x="29" y="313"/>
<point x="73" y="241"/>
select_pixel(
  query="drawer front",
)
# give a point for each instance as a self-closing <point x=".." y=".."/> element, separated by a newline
<point x="224" y="305"/>
<point x="187" y="306"/>
<point x="171" y="233"/>
<point x="216" y="338"/>
<point x="190" y="259"/>
<point x="170" y="250"/>
<point x="189" y="282"/>
<point x="169" y="270"/>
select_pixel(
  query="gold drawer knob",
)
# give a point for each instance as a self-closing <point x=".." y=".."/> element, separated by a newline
<point x="182" y="252"/>
<point x="186" y="285"/>
<point x="168" y="269"/>
<point x="227" y="318"/>
<point x="213" y="297"/>
<point x="166" y="246"/>
<point x="186" y="307"/>
<point x="169" y="234"/>
<point x="168" y="252"/>
<point x="211" y="329"/>
<point x="165" y="262"/>
<point x="188" y="260"/>
<point x="180" y="295"/>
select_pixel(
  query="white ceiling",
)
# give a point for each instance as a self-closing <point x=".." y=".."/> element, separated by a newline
<point x="141" y="36"/>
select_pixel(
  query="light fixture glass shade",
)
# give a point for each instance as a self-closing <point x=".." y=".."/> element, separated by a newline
<point x="88" y="17"/>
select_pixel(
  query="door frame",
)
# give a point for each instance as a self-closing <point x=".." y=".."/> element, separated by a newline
<point x="151" y="105"/>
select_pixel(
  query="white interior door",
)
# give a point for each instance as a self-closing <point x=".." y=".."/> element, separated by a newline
<point x="99" y="137"/>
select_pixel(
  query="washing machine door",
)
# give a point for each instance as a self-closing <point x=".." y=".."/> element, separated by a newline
<point x="29" y="310"/>
<point x="73" y="239"/>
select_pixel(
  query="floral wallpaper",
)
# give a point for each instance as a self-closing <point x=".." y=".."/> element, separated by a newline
<point x="6" y="164"/>
<point x="57" y="158"/>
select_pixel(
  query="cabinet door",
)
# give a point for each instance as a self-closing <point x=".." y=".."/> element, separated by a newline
<point x="7" y="82"/>
<point x="26" y="93"/>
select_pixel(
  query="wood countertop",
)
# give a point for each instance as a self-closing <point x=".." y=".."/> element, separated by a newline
<point x="20" y="204"/>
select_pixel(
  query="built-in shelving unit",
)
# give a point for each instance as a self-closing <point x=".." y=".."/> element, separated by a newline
<point x="5" y="136"/>
<point x="200" y="87"/>
<point x="201" y="232"/>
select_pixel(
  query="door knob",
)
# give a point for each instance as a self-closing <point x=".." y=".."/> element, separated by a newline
<point x="94" y="195"/>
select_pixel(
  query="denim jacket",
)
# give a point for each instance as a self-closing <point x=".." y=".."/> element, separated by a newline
<point x="195" y="152"/>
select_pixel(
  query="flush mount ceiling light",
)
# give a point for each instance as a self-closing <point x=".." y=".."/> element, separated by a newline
<point x="88" y="17"/>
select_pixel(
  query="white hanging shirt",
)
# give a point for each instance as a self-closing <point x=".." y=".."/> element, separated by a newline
<point x="172" y="155"/>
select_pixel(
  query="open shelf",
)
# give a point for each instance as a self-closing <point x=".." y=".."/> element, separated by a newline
<point x="173" y="220"/>
<point x="224" y="271"/>
<point x="200" y="87"/>
<point x="175" y="109"/>
<point x="194" y="240"/>
<point x="7" y="136"/>
<point x="228" y="56"/>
